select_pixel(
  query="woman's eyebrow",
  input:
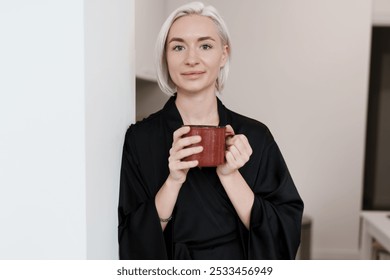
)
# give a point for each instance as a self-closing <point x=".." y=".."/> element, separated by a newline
<point x="205" y="38"/>
<point x="178" y="39"/>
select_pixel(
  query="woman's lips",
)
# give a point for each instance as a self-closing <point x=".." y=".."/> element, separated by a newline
<point x="193" y="74"/>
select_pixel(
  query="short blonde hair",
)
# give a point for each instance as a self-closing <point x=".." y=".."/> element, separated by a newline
<point x="194" y="8"/>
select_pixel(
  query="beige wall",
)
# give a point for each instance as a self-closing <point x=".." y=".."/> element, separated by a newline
<point x="149" y="97"/>
<point x="381" y="12"/>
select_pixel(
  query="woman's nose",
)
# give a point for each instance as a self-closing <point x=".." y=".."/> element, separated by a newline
<point x="192" y="57"/>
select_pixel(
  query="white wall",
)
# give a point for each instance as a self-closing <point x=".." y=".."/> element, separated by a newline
<point x="110" y="102"/>
<point x="61" y="126"/>
<point x="301" y="67"/>
<point x="42" y="130"/>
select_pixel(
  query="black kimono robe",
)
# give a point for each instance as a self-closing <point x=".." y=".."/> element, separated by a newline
<point x="205" y="224"/>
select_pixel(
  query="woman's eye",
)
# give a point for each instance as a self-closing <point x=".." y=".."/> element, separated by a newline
<point x="178" y="48"/>
<point x="206" y="47"/>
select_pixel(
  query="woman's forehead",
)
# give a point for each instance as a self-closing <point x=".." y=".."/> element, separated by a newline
<point x="193" y="27"/>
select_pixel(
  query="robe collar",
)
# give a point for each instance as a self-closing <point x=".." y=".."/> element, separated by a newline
<point x="174" y="120"/>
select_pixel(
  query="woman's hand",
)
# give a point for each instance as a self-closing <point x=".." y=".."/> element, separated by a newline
<point x="178" y="169"/>
<point x="237" y="154"/>
<point x="167" y="195"/>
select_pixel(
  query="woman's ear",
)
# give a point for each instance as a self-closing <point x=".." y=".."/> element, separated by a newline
<point x="225" y="55"/>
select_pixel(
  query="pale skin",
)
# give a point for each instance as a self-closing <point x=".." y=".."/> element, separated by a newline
<point x="195" y="54"/>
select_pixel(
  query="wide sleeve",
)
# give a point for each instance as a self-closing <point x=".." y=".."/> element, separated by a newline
<point x="275" y="225"/>
<point x="139" y="231"/>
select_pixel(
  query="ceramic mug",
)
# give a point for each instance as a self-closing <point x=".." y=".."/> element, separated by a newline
<point x="213" y="143"/>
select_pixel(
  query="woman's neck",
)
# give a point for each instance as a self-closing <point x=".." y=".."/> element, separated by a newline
<point x="198" y="109"/>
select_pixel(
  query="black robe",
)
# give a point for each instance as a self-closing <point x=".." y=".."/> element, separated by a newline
<point x="205" y="224"/>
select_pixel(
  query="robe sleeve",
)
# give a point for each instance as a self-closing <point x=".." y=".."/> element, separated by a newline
<point x="139" y="231"/>
<point x="275" y="225"/>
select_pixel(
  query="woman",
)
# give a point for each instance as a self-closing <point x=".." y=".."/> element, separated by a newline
<point x="246" y="208"/>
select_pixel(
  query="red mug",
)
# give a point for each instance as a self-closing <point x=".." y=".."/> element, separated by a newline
<point x="213" y="143"/>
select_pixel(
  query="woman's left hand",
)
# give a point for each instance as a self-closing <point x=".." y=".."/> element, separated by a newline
<point x="238" y="152"/>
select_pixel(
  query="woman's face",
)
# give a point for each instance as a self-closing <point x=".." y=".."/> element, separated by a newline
<point x="195" y="54"/>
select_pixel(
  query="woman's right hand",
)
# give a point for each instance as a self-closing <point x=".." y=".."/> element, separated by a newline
<point x="177" y="167"/>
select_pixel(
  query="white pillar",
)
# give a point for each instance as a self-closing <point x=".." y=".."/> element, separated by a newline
<point x="110" y="106"/>
<point x="66" y="99"/>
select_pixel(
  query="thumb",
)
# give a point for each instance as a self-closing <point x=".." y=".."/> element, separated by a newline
<point x="229" y="131"/>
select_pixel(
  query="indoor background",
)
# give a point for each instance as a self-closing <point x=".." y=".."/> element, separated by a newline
<point x="75" y="74"/>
